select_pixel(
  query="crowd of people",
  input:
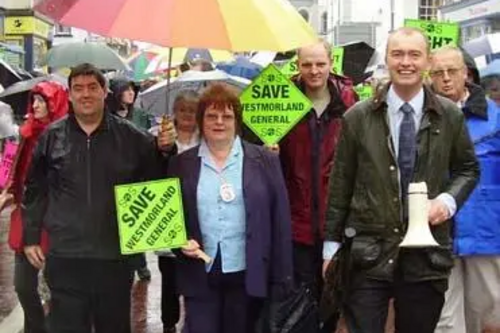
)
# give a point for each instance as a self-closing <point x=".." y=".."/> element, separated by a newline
<point x="330" y="200"/>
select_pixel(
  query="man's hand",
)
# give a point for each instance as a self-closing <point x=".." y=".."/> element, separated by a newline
<point x="326" y="265"/>
<point x="438" y="212"/>
<point x="273" y="148"/>
<point x="166" y="134"/>
<point x="35" y="255"/>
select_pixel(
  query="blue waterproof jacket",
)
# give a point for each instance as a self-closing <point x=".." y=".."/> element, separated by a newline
<point x="477" y="224"/>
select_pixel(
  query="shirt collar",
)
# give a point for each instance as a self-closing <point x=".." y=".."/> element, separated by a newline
<point x="236" y="149"/>
<point x="461" y="103"/>
<point x="395" y="102"/>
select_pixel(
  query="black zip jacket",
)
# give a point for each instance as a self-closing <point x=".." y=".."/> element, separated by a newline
<point x="70" y="186"/>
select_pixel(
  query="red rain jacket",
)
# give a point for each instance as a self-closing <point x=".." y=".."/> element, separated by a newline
<point x="56" y="97"/>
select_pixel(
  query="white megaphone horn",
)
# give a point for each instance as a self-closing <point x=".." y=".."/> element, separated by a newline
<point x="419" y="232"/>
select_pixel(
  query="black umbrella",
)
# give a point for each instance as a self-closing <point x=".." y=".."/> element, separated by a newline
<point x="8" y="75"/>
<point x="357" y="56"/>
<point x="27" y="85"/>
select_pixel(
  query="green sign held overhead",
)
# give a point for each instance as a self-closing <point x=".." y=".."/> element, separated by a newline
<point x="272" y="105"/>
<point x="439" y="33"/>
<point x="364" y="91"/>
<point x="150" y="216"/>
<point x="290" y="67"/>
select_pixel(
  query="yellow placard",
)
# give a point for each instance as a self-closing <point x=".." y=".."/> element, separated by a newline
<point x="150" y="216"/>
<point x="272" y="105"/>
<point x="26" y="25"/>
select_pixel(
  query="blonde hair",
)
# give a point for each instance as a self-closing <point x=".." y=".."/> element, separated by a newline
<point x="449" y="48"/>
<point x="408" y="31"/>
<point x="326" y="45"/>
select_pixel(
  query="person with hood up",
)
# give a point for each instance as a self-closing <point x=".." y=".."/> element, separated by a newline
<point x="120" y="102"/>
<point x="48" y="102"/>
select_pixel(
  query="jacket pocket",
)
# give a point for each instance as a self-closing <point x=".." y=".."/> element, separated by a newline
<point x="441" y="258"/>
<point x="365" y="252"/>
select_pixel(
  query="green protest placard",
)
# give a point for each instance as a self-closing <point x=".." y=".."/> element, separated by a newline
<point x="290" y="67"/>
<point x="364" y="91"/>
<point x="272" y="105"/>
<point x="150" y="216"/>
<point x="439" y="33"/>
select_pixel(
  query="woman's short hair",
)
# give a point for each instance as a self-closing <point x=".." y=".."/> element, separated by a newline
<point x="186" y="96"/>
<point x="220" y="96"/>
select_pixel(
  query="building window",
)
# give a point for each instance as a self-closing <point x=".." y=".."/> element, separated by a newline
<point x="428" y="9"/>
<point x="305" y="14"/>
<point x="324" y="23"/>
<point x="474" y="31"/>
<point x="62" y="30"/>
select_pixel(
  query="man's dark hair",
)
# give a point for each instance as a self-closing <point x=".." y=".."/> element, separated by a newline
<point x="87" y="69"/>
<point x="184" y="67"/>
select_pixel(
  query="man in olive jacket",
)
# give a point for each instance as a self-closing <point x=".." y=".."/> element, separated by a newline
<point x="404" y="134"/>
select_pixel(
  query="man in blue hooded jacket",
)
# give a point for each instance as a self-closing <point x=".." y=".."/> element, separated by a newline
<point x="473" y="298"/>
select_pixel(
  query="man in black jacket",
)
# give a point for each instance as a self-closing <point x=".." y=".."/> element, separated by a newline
<point x="75" y="167"/>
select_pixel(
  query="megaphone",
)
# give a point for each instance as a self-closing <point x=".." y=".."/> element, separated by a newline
<point x="419" y="232"/>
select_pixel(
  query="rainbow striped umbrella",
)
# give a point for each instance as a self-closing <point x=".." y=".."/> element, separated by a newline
<point x="236" y="25"/>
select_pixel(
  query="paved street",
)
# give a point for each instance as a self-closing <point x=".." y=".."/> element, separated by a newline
<point x="146" y="301"/>
<point x="8" y="298"/>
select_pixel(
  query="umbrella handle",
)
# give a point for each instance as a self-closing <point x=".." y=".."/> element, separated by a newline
<point x="170" y="50"/>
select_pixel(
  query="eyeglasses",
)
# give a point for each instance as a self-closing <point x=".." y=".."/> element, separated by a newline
<point x="213" y="117"/>
<point x="450" y="71"/>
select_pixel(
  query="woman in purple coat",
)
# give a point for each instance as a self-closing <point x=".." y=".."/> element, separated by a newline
<point x="237" y="212"/>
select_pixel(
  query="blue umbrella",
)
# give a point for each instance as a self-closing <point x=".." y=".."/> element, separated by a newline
<point x="493" y="68"/>
<point x="241" y="67"/>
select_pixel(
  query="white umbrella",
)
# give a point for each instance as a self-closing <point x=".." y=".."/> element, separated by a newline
<point x="487" y="44"/>
<point x="8" y="126"/>
<point x="154" y="99"/>
<point x="263" y="58"/>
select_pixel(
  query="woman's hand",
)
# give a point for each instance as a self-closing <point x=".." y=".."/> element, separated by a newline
<point x="6" y="199"/>
<point x="191" y="249"/>
<point x="273" y="148"/>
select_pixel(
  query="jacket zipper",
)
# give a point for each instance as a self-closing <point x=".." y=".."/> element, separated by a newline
<point x="316" y="169"/>
<point x="89" y="198"/>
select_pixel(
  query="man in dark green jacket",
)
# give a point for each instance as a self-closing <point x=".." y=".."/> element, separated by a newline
<point x="406" y="134"/>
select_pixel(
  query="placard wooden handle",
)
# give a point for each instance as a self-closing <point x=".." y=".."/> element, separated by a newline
<point x="203" y="256"/>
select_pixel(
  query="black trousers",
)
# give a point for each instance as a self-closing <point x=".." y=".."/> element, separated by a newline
<point x="226" y="308"/>
<point x="26" y="284"/>
<point x="170" y="304"/>
<point x="89" y="294"/>
<point x="307" y="265"/>
<point x="417" y="305"/>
